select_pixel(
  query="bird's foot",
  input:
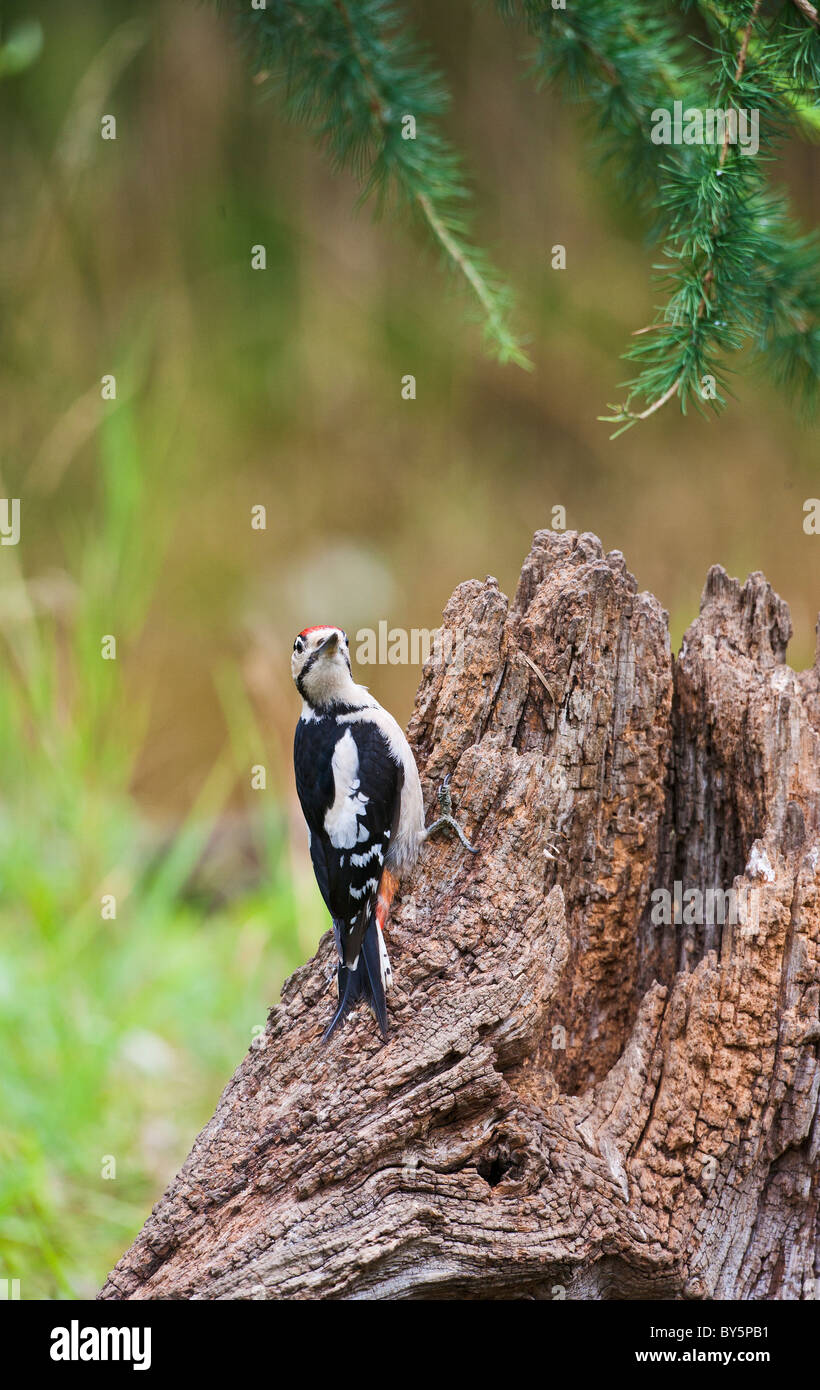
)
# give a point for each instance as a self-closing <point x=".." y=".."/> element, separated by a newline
<point x="552" y="851"/>
<point x="446" y="819"/>
<point x="445" y="799"/>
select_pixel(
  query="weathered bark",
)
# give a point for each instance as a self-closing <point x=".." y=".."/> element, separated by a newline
<point x="573" y="1100"/>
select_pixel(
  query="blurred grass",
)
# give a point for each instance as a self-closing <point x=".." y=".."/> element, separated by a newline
<point x="236" y="388"/>
<point x="116" y="1035"/>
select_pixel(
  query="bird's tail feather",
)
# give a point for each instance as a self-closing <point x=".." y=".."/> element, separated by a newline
<point x="373" y="990"/>
<point x="365" y="982"/>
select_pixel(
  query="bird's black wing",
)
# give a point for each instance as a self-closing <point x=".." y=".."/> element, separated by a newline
<point x="348" y="866"/>
<point x="354" y="871"/>
<point x="313" y="745"/>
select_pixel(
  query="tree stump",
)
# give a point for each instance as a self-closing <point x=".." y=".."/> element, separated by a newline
<point x="578" y="1099"/>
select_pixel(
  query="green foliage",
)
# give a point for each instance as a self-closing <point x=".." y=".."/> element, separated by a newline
<point x="21" y="48"/>
<point x="116" y="1034"/>
<point x="735" y="272"/>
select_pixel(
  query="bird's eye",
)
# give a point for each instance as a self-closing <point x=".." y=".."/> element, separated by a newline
<point x="298" y="645"/>
<point x="344" y="634"/>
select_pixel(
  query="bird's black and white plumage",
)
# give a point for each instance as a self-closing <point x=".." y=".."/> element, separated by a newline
<point x="359" y="789"/>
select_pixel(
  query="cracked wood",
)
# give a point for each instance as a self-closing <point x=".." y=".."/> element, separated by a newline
<point x="573" y="1101"/>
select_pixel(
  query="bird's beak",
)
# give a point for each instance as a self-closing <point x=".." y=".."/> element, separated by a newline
<point x="330" y="644"/>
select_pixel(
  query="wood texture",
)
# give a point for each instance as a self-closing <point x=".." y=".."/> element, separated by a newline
<point x="574" y="1102"/>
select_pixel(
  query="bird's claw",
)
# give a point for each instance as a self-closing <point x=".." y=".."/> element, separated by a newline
<point x="553" y="850"/>
<point x="447" y="819"/>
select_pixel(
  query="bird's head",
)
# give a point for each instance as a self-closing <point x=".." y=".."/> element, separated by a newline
<point x="320" y="665"/>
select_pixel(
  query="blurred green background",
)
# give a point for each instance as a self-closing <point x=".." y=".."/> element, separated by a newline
<point x="279" y="387"/>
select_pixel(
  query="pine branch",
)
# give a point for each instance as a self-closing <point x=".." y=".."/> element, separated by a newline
<point x="685" y="380"/>
<point x="790" y="55"/>
<point x="808" y="10"/>
<point x="735" y="271"/>
<point x="727" y="282"/>
<point x="352" y="73"/>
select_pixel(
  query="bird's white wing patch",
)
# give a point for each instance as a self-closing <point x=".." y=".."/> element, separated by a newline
<point x="342" y="819"/>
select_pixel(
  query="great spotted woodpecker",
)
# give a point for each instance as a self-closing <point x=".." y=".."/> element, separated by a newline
<point x="359" y="789"/>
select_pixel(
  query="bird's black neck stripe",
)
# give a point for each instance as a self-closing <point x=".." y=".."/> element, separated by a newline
<point x="332" y="708"/>
<point x="311" y="661"/>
